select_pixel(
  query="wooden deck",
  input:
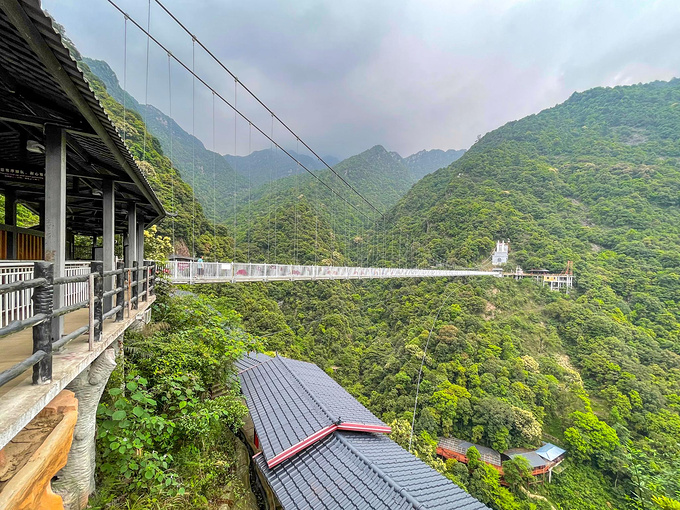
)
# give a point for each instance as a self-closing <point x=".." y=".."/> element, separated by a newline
<point x="20" y="400"/>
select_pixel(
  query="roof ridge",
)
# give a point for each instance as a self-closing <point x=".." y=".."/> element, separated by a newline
<point x="390" y="481"/>
<point x="308" y="391"/>
<point x="256" y="365"/>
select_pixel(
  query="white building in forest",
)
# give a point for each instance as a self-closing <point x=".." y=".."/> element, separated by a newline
<point x="500" y="256"/>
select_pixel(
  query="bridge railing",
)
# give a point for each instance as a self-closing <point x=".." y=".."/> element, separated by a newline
<point x="27" y="294"/>
<point x="206" y="272"/>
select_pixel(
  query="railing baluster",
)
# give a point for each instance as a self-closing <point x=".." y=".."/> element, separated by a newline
<point x="43" y="303"/>
<point x="120" y="295"/>
<point x="98" y="267"/>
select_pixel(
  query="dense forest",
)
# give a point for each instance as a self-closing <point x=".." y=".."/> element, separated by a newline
<point x="507" y="363"/>
<point x="596" y="181"/>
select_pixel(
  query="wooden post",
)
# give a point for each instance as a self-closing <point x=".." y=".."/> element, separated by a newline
<point x="120" y="295"/>
<point x="135" y="286"/>
<point x="90" y="339"/>
<point x="129" y="293"/>
<point x="43" y="302"/>
<point x="147" y="271"/>
<point x="98" y="267"/>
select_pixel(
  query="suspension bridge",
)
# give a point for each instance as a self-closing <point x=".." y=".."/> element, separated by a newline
<point x="72" y="284"/>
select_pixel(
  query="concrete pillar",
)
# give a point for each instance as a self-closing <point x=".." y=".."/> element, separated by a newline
<point x="11" y="219"/>
<point x="131" y="253"/>
<point x="108" y="236"/>
<point x="55" y="213"/>
<point x="75" y="482"/>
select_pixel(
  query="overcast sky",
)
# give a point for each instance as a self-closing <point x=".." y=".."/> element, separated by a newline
<point x="407" y="74"/>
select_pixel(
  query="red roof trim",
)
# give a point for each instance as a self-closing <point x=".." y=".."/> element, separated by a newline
<point x="296" y="448"/>
<point x="360" y="427"/>
<point x="286" y="454"/>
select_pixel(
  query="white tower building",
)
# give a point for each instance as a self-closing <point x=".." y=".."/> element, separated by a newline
<point x="500" y="256"/>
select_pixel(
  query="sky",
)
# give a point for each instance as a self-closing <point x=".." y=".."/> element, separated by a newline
<point x="347" y="75"/>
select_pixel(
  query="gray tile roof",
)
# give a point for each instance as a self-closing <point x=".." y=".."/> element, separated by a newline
<point x="358" y="470"/>
<point x="250" y="360"/>
<point x="291" y="401"/>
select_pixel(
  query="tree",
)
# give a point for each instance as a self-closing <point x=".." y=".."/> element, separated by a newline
<point x="517" y="472"/>
<point x="156" y="247"/>
<point x="590" y="439"/>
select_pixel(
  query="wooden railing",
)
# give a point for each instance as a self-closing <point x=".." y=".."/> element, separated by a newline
<point x="32" y="288"/>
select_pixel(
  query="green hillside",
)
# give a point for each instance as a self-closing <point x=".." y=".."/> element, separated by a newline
<point x="595" y="180"/>
<point x="380" y="176"/>
<point x="215" y="181"/>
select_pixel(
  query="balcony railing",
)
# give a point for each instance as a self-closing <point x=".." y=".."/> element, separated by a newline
<point x="27" y="296"/>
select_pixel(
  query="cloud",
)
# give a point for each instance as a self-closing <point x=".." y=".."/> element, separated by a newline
<point x="408" y="74"/>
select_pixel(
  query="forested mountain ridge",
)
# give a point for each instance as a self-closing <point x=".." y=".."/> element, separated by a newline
<point x="260" y="167"/>
<point x="595" y="180"/>
<point x="214" y="179"/>
<point x="424" y="162"/>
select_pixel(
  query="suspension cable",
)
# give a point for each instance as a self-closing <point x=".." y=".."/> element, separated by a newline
<point x="225" y="68"/>
<point x="242" y="115"/>
<point x="146" y="86"/>
<point x="422" y="362"/>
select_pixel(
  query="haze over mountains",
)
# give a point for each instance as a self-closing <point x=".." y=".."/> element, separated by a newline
<point x="218" y="179"/>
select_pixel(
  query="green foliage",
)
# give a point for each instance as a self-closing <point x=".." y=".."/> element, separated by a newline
<point x="160" y="426"/>
<point x="517" y="473"/>
<point x="590" y="438"/>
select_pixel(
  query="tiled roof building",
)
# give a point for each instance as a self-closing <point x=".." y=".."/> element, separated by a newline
<point x="322" y="449"/>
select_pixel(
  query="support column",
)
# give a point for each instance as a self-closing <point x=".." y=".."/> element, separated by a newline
<point x="75" y="482"/>
<point x="140" y="258"/>
<point x="108" y="237"/>
<point x="140" y="242"/>
<point x="131" y="253"/>
<point x="55" y="213"/>
<point x="11" y="219"/>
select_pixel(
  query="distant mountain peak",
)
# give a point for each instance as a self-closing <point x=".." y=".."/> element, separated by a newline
<point x="427" y="161"/>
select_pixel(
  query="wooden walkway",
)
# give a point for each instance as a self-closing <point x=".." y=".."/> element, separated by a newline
<point x="20" y="400"/>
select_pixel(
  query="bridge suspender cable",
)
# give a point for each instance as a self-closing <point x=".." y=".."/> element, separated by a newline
<point x="146" y="79"/>
<point x="241" y="114"/>
<point x="172" y="170"/>
<point x="235" y="152"/>
<point x="219" y="62"/>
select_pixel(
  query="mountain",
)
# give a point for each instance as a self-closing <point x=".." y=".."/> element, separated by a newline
<point x="424" y="162"/>
<point x="262" y="166"/>
<point x="380" y="176"/>
<point x="594" y="180"/>
<point x="214" y="181"/>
